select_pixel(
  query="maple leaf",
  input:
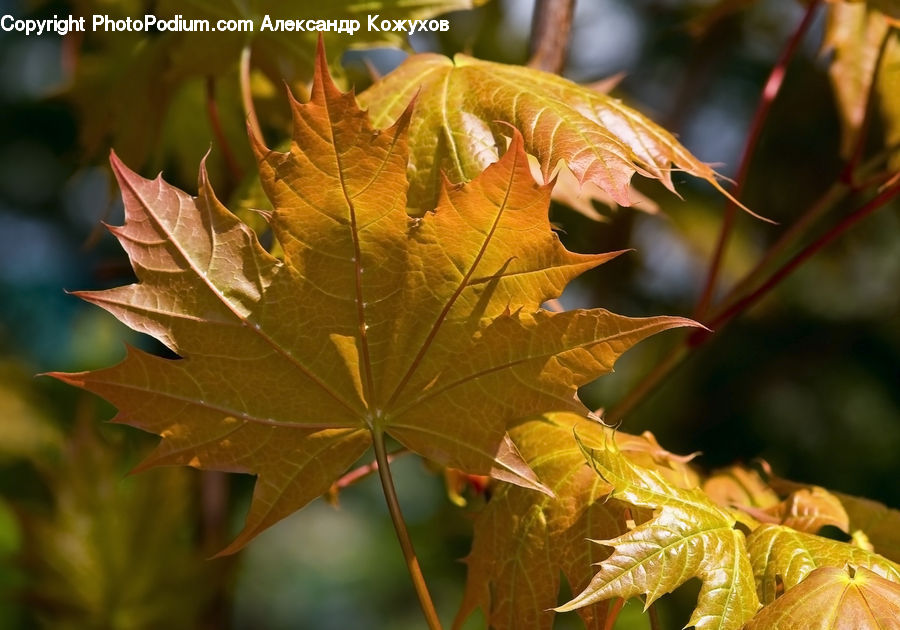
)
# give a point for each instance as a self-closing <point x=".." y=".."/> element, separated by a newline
<point x="429" y="330"/>
<point x="602" y="141"/>
<point x="524" y="540"/>
<point x="739" y="486"/>
<point x="804" y="508"/>
<point x="689" y="537"/>
<point x="781" y="554"/>
<point x="830" y="598"/>
<point x="879" y="524"/>
<point x="810" y="509"/>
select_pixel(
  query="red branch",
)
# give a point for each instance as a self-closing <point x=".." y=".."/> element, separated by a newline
<point x="770" y="91"/>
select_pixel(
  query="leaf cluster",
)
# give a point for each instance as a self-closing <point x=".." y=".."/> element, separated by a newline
<point x="405" y="298"/>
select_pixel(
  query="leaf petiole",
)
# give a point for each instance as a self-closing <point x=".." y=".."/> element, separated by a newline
<point x="409" y="553"/>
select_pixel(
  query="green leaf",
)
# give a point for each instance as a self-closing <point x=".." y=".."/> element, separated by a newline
<point x="454" y="126"/>
<point x="524" y="540"/>
<point x="689" y="536"/>
<point x="783" y="555"/>
<point x="429" y="330"/>
<point x="831" y="598"/>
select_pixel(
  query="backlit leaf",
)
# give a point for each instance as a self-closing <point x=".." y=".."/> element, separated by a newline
<point x="689" y="536"/>
<point x="738" y="486"/>
<point x="781" y="555"/>
<point x="831" y="598"/>
<point x="427" y="329"/>
<point x="454" y="131"/>
<point x="524" y="540"/>
<point x="810" y="509"/>
<point x="855" y="34"/>
<point x="878" y="523"/>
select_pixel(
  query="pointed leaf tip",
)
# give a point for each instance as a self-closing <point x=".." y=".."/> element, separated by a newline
<point x="697" y="536"/>
<point x="366" y="311"/>
<point x="602" y="141"/>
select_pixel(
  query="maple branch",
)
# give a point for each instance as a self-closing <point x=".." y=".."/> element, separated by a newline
<point x="734" y="305"/>
<point x="361" y="472"/>
<point x="409" y="553"/>
<point x="654" y="617"/>
<point x="810" y="250"/>
<point x="612" y="613"/>
<point x="770" y="91"/>
<point x="550" y="29"/>
<point x="212" y="111"/>
<point x="836" y="193"/>
<point x="833" y="196"/>
<point x="247" y="94"/>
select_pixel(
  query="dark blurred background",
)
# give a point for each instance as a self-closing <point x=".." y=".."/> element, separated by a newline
<point x="808" y="380"/>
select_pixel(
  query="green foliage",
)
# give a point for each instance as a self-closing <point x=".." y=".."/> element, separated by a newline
<point x="688" y="536"/>
<point x="116" y="554"/>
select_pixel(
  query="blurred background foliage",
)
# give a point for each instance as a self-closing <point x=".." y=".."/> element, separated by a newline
<point x="809" y="379"/>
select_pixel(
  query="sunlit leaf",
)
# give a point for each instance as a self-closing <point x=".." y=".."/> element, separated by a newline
<point x="689" y="536"/>
<point x="878" y="523"/>
<point x="781" y="555"/>
<point x="429" y="330"/>
<point x="454" y="126"/>
<point x="738" y="486"/>
<point x="524" y="540"/>
<point x="810" y="509"/>
<point x="855" y="34"/>
<point x="832" y="598"/>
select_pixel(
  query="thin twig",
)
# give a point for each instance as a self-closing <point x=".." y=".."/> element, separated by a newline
<point x="247" y="94"/>
<point x="770" y="91"/>
<point x="212" y="111"/>
<point x="550" y="28"/>
<point x="835" y="194"/>
<point x="719" y="318"/>
<point x="653" y="612"/>
<point x="358" y="474"/>
<point x="810" y="250"/>
<point x="409" y="553"/>
<point x="612" y="613"/>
